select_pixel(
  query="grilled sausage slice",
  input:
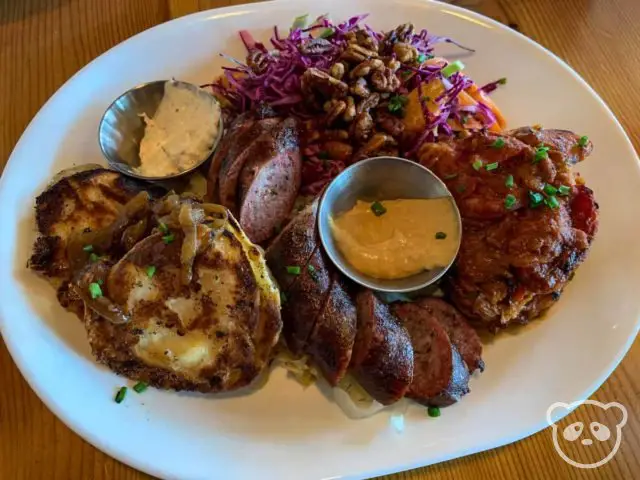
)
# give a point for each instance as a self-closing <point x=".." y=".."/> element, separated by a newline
<point x="440" y="377"/>
<point x="269" y="184"/>
<point x="461" y="334"/>
<point x="383" y="358"/>
<point x="331" y="342"/>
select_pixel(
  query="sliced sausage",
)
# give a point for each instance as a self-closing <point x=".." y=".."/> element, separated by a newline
<point x="269" y="184"/>
<point x="250" y="143"/>
<point x="461" y="334"/>
<point x="331" y="341"/>
<point x="383" y="359"/>
<point x="440" y="377"/>
<point x="293" y="246"/>
<point x="304" y="302"/>
<point x="237" y="128"/>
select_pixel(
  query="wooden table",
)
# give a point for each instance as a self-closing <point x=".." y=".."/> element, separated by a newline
<point x="44" y="42"/>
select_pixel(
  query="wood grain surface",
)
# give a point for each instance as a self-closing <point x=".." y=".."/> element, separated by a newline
<point x="44" y="42"/>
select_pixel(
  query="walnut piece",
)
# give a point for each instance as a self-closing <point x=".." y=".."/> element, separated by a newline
<point x="316" y="81"/>
<point x="365" y="68"/>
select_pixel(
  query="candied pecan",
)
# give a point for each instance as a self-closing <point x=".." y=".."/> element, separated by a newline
<point x="338" y="150"/>
<point x="350" y="112"/>
<point x="365" y="68"/>
<point x="316" y="46"/>
<point x="393" y="64"/>
<point x="402" y="33"/>
<point x="337" y="70"/>
<point x="316" y="81"/>
<point x="355" y="53"/>
<point x="385" y="81"/>
<point x="362" y="127"/>
<point x="375" y="145"/>
<point x="368" y="103"/>
<point x="335" y="135"/>
<point x="360" y="88"/>
<point x="405" y="53"/>
<point x="334" y="110"/>
<point x="363" y="38"/>
<point x="257" y="61"/>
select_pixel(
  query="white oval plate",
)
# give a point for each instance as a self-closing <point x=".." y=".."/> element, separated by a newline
<point x="284" y="431"/>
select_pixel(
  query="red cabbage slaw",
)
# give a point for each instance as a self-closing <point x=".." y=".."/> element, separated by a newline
<point x="272" y="76"/>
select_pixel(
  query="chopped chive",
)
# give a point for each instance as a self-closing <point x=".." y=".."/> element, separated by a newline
<point x="140" y="387"/>
<point x="551" y="202"/>
<point x="453" y="67"/>
<point x="293" y="270"/>
<point x="509" y="181"/>
<point x="163" y="227"/>
<point x="95" y="291"/>
<point x="502" y="81"/>
<point x="441" y="235"/>
<point x="378" y="209"/>
<point x="541" y="153"/>
<point x="121" y="394"/>
<point x="422" y="58"/>
<point x="94" y="258"/>
<point x="535" y="199"/>
<point x="397" y="103"/>
<point x="168" y="238"/>
<point x="550" y="189"/>
<point x="564" y="190"/>
<point x="584" y="140"/>
<point x="499" y="143"/>
<point x="283" y="298"/>
<point x="509" y="201"/>
<point x="406" y="74"/>
<point x="326" y="33"/>
<point x="426" y="98"/>
<point x="311" y="268"/>
<point x="100" y="282"/>
<point x="477" y="165"/>
<point x="464" y="119"/>
<point x="323" y="155"/>
<point x="433" y="412"/>
<point x="450" y="176"/>
<point x="491" y="166"/>
<point x="151" y="270"/>
<point x="88" y="248"/>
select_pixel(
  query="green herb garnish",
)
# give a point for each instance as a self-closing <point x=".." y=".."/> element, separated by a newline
<point x="551" y="202"/>
<point x="509" y="181"/>
<point x="433" y="412"/>
<point x="422" y="58"/>
<point x="121" y="394"/>
<point x="477" y="165"/>
<point x="88" y="248"/>
<point x="584" y="140"/>
<point x="564" y="190"/>
<point x="283" y="298"/>
<point x="94" y="290"/>
<point x="464" y="119"/>
<point x="397" y="103"/>
<point x="550" y="189"/>
<point x="502" y="81"/>
<point x="94" y="258"/>
<point x="293" y="270"/>
<point x="491" y="166"/>
<point x="541" y="153"/>
<point x="167" y="239"/>
<point x="140" y="387"/>
<point x="453" y="67"/>
<point x="163" y="227"/>
<point x="426" y="98"/>
<point x="151" y="270"/>
<point x="498" y="143"/>
<point x="535" y="199"/>
<point x="509" y="201"/>
<point x="451" y="176"/>
<point x="378" y="209"/>
<point x="441" y="235"/>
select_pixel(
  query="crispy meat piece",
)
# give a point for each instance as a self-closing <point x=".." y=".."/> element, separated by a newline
<point x="518" y="250"/>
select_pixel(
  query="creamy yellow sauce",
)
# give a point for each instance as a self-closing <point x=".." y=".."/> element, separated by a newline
<point x="413" y="235"/>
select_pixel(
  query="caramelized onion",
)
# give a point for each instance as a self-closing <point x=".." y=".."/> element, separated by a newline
<point x="103" y="306"/>
<point x="220" y="215"/>
<point x="134" y="233"/>
<point x="188" y="223"/>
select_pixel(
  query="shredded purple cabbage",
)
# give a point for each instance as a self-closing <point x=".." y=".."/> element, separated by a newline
<point x="273" y="76"/>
